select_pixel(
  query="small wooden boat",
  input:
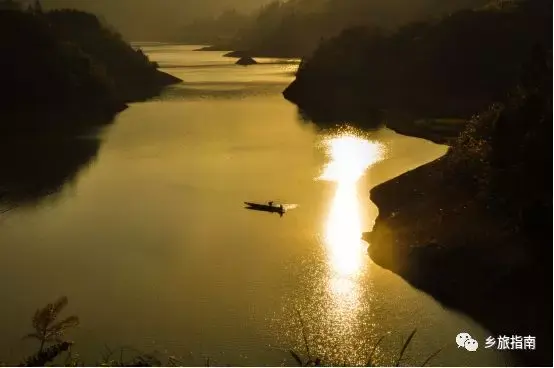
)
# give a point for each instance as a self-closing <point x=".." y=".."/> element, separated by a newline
<point x="265" y="207"/>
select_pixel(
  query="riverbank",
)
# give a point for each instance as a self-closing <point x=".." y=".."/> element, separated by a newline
<point x="65" y="74"/>
<point x="437" y="237"/>
<point x="447" y="68"/>
<point x="68" y="62"/>
<point x="472" y="228"/>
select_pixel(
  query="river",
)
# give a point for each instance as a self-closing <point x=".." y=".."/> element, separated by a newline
<point x="152" y="246"/>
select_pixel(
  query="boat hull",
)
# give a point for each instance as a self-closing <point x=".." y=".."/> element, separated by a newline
<point x="263" y="207"/>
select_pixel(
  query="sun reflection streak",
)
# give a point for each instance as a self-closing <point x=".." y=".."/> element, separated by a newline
<point x="350" y="156"/>
<point x="343" y="229"/>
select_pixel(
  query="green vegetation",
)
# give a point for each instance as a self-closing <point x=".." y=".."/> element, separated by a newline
<point x="453" y="67"/>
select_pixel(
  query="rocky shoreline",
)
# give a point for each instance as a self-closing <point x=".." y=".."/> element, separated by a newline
<point x="488" y="273"/>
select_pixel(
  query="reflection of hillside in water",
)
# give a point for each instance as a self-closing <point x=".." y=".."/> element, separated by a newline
<point x="34" y="166"/>
<point x="227" y="90"/>
<point x="330" y="116"/>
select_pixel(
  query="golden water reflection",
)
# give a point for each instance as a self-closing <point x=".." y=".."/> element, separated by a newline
<point x="350" y="156"/>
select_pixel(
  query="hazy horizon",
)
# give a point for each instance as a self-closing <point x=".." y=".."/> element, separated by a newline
<point x="159" y="20"/>
<point x="149" y="20"/>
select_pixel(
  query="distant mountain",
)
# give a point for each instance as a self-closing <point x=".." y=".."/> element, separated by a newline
<point x="295" y="27"/>
<point x="152" y="20"/>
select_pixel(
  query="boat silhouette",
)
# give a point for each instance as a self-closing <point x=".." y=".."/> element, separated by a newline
<point x="269" y="207"/>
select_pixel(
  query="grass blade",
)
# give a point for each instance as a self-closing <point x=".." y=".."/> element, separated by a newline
<point x="404" y="347"/>
<point x="431" y="357"/>
<point x="297" y="358"/>
<point x="303" y="329"/>
<point x="370" y="359"/>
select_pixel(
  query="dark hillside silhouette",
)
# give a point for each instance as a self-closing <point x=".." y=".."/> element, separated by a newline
<point x="61" y="73"/>
<point x="220" y="30"/>
<point x="452" y="67"/>
<point x="10" y="5"/>
<point x="294" y="28"/>
<point x="474" y="228"/>
<point x="41" y="71"/>
<point x="68" y="60"/>
<point x="133" y="75"/>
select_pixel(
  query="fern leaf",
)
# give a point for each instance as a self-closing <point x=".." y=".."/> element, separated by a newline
<point x="33" y="335"/>
<point x="58" y="306"/>
<point x="42" y="318"/>
<point x="64" y="324"/>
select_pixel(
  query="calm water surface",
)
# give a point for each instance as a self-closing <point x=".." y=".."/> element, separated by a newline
<point x="154" y="249"/>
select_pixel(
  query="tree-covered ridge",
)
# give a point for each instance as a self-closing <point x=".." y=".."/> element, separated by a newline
<point x="40" y="70"/>
<point x="293" y="28"/>
<point x="454" y="66"/>
<point x="130" y="70"/>
<point x="504" y="154"/>
<point x="61" y="72"/>
<point x="67" y="58"/>
<point x="488" y="204"/>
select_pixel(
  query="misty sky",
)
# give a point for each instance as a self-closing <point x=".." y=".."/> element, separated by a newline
<point x="150" y="20"/>
<point x="159" y="20"/>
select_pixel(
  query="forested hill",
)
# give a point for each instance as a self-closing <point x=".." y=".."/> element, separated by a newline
<point x="293" y="28"/>
<point x="452" y="67"/>
<point x="68" y="60"/>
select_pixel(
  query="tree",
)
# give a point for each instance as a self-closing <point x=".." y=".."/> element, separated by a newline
<point x="37" y="7"/>
<point x="10" y="5"/>
<point x="47" y="330"/>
